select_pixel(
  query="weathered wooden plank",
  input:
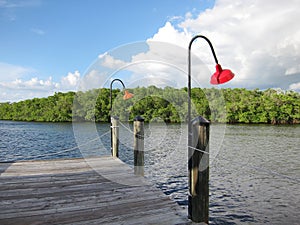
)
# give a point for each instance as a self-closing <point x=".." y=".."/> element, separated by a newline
<point x="41" y="182"/>
<point x="90" y="204"/>
<point x="13" y="179"/>
<point x="83" y="191"/>
<point x="75" y="199"/>
<point x="22" y="169"/>
<point x="63" y="163"/>
<point x="149" y="217"/>
<point x="98" y="210"/>
<point x="52" y="182"/>
<point x="155" y="216"/>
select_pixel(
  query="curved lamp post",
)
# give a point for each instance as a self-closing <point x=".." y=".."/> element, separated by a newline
<point x="127" y="95"/>
<point x="219" y="77"/>
<point x="198" y="180"/>
<point x="114" y="120"/>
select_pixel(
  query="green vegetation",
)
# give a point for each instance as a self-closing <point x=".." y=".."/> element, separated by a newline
<point x="167" y="104"/>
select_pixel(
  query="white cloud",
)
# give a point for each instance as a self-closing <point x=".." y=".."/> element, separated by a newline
<point x="11" y="72"/>
<point x="102" y="55"/>
<point x="295" y="86"/>
<point x="32" y="84"/>
<point x="294" y="69"/>
<point x="110" y="62"/>
<point x="94" y="78"/>
<point x="8" y="7"/>
<point x="16" y="89"/>
<point x="19" y="89"/>
<point x="38" y="31"/>
<point x="164" y="63"/>
<point x="170" y="35"/>
<point x="258" y="40"/>
<point x="70" y="81"/>
<point x="19" y="4"/>
<point x="156" y="66"/>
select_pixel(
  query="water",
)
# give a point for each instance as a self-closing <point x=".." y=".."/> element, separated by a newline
<point x="254" y="169"/>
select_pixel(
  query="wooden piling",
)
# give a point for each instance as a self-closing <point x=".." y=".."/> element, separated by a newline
<point x="138" y="145"/>
<point x="199" y="171"/>
<point x="115" y="136"/>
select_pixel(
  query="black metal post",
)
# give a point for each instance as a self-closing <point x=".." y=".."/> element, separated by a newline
<point x="193" y="215"/>
<point x="110" y="118"/>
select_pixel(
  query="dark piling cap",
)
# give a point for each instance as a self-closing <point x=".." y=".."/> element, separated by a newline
<point x="139" y="118"/>
<point x="115" y="117"/>
<point x="200" y="120"/>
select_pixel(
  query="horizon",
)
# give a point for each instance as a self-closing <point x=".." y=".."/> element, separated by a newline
<point x="278" y="90"/>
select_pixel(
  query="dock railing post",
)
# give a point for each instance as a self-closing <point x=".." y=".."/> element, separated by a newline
<point x="138" y="146"/>
<point x="115" y="136"/>
<point x="199" y="171"/>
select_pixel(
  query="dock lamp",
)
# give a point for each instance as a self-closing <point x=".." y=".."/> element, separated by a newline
<point x="127" y="95"/>
<point x="198" y="180"/>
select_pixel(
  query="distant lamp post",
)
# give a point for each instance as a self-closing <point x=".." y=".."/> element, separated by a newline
<point x="114" y="135"/>
<point x="198" y="140"/>
<point x="127" y="94"/>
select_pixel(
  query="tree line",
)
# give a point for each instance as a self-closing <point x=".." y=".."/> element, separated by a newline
<point x="167" y="104"/>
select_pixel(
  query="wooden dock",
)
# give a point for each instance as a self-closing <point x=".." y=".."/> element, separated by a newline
<point x="81" y="191"/>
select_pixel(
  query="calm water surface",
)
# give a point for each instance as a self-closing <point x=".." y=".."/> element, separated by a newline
<point x="254" y="169"/>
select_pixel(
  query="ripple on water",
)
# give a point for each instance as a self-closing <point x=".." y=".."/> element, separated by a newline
<point x="254" y="172"/>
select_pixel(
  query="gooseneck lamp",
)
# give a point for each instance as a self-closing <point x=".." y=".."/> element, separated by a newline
<point x="219" y="77"/>
<point x="127" y="95"/>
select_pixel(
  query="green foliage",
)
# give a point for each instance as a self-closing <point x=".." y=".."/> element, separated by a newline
<point x="55" y="108"/>
<point x="161" y="104"/>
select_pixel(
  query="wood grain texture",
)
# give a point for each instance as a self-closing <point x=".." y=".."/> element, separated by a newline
<point x="81" y="191"/>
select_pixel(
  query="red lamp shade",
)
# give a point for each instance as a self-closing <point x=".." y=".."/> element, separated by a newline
<point x="221" y="76"/>
<point x="127" y="95"/>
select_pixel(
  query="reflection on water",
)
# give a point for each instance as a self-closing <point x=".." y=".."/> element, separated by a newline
<point x="254" y="169"/>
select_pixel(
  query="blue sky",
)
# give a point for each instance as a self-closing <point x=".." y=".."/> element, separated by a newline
<point x="47" y="45"/>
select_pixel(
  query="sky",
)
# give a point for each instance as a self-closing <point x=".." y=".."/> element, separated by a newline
<point x="49" y="46"/>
